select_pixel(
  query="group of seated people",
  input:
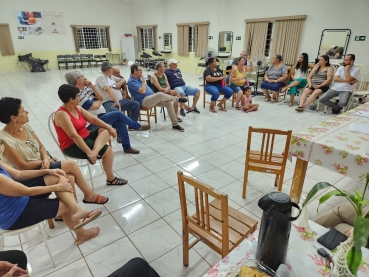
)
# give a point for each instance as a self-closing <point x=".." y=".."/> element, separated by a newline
<point x="316" y="83"/>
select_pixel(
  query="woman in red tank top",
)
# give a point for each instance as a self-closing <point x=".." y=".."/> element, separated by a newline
<point x="74" y="138"/>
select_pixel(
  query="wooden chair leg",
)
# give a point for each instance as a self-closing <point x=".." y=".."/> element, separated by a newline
<point x="276" y="180"/>
<point x="156" y="117"/>
<point x="233" y="100"/>
<point x="186" y="250"/>
<point x="51" y="224"/>
<point x="204" y="99"/>
<point x="280" y="183"/>
<point x="148" y="118"/>
<point x="245" y="177"/>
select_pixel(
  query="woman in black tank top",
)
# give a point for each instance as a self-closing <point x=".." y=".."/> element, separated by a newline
<point x="319" y="80"/>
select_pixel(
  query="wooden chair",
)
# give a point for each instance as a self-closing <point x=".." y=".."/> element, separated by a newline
<point x="265" y="160"/>
<point x="206" y="93"/>
<point x="280" y="94"/>
<point x="148" y="114"/>
<point x="220" y="227"/>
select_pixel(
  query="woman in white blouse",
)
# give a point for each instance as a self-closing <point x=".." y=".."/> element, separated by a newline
<point x="299" y="73"/>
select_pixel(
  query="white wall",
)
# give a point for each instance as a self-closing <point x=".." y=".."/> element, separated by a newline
<point x="115" y="13"/>
<point x="229" y="15"/>
<point x="76" y="12"/>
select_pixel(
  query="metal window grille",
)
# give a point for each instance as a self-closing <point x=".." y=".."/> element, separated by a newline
<point x="269" y="38"/>
<point x="92" y="38"/>
<point x="167" y="40"/>
<point x="193" y="35"/>
<point x="147" y="38"/>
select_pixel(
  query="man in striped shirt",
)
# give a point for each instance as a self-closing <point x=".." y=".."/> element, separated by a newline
<point x="90" y="99"/>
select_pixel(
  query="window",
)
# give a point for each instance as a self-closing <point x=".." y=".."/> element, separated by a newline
<point x="147" y="38"/>
<point x="192" y="38"/>
<point x="269" y="38"/>
<point x="92" y="38"/>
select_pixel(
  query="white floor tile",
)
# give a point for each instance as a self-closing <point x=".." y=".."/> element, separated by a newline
<point x="78" y="268"/>
<point x="164" y="202"/>
<point x="155" y="239"/>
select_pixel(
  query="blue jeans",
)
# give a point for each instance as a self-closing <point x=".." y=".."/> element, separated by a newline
<point x="186" y="90"/>
<point x="215" y="90"/>
<point x="119" y="121"/>
<point x="131" y="106"/>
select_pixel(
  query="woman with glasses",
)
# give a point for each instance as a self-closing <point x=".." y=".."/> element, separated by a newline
<point x="21" y="148"/>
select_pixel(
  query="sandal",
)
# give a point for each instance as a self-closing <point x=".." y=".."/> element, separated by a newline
<point x="58" y="218"/>
<point x="299" y="109"/>
<point x="93" y="235"/>
<point x="237" y="108"/>
<point x="116" y="182"/>
<point x="213" y="111"/>
<point x="290" y="104"/>
<point x="179" y="120"/>
<point x="190" y="110"/>
<point x="267" y="99"/>
<point x="91" y="216"/>
<point x="99" y="199"/>
<point x="221" y="108"/>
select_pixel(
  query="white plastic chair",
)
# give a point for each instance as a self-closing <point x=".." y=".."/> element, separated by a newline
<point x="51" y="120"/>
<point x="41" y="226"/>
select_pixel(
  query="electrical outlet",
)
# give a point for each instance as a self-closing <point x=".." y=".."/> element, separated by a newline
<point x="20" y="37"/>
<point x="210" y="37"/>
<point x="159" y="37"/>
<point x="238" y="38"/>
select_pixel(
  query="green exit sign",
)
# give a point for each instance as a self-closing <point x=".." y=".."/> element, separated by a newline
<point x="360" y="38"/>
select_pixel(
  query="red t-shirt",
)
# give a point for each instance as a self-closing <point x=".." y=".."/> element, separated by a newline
<point x="79" y="124"/>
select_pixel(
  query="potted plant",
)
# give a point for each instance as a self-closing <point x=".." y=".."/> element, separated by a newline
<point x="351" y="248"/>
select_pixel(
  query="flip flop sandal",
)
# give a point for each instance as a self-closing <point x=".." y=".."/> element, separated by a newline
<point x="93" y="235"/>
<point x="237" y="108"/>
<point x="116" y="182"/>
<point x="191" y="110"/>
<point x="58" y="219"/>
<point x="266" y="99"/>
<point x="290" y="104"/>
<point x="213" y="111"/>
<point x="222" y="109"/>
<point x="88" y="218"/>
<point x="99" y="199"/>
<point x="179" y="120"/>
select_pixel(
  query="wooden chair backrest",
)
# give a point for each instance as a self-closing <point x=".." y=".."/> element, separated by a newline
<point x="202" y="222"/>
<point x="225" y="73"/>
<point x="266" y="155"/>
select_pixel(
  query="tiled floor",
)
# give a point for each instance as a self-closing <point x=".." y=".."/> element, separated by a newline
<point x="143" y="218"/>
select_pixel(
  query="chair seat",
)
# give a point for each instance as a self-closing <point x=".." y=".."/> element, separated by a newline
<point x="201" y="64"/>
<point x="146" y="109"/>
<point x="360" y="92"/>
<point x="275" y="156"/>
<point x="240" y="225"/>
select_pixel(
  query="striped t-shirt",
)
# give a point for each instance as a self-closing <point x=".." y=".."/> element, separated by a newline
<point x="319" y="77"/>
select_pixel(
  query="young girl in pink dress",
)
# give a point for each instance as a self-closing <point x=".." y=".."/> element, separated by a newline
<point x="246" y="101"/>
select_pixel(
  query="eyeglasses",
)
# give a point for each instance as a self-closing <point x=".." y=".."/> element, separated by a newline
<point x="34" y="148"/>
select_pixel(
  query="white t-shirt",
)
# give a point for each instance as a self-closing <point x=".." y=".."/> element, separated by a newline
<point x="300" y="74"/>
<point x="354" y="72"/>
<point x="103" y="81"/>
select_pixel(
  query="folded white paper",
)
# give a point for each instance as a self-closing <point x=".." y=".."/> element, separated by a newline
<point x="361" y="113"/>
<point x="361" y="128"/>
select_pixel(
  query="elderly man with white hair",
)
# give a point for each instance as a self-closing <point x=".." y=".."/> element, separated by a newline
<point x="91" y="98"/>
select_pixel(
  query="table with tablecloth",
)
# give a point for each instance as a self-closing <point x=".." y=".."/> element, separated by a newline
<point x="331" y="145"/>
<point x="302" y="257"/>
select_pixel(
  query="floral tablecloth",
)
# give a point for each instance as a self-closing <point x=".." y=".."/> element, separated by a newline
<point x="302" y="257"/>
<point x="330" y="144"/>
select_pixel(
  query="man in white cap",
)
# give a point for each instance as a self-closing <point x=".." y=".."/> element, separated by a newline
<point x="177" y="83"/>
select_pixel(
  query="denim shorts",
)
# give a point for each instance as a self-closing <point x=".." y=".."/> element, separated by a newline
<point x="236" y="88"/>
<point x="186" y="90"/>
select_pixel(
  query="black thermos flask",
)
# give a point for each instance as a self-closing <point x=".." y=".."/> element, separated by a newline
<point x="275" y="228"/>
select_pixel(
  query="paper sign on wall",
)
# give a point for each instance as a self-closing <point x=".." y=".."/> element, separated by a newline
<point x="29" y="23"/>
<point x="54" y="23"/>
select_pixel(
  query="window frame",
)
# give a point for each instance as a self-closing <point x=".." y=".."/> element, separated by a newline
<point x="270" y="32"/>
<point x="192" y="38"/>
<point x="101" y="35"/>
<point x="148" y="39"/>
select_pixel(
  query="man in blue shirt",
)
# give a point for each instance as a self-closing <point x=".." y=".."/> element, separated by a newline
<point x="177" y="83"/>
<point x="147" y="98"/>
<point x="90" y="98"/>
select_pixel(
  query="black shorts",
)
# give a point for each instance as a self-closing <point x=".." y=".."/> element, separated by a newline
<point x="324" y="89"/>
<point x="38" y="207"/>
<point x="74" y="151"/>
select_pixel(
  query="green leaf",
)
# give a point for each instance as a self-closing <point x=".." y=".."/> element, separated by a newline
<point x="365" y="202"/>
<point x="314" y="190"/>
<point x="354" y="259"/>
<point x="361" y="231"/>
<point x="328" y="195"/>
<point x="358" y="195"/>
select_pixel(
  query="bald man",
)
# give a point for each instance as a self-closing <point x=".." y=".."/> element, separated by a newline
<point x="116" y="73"/>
